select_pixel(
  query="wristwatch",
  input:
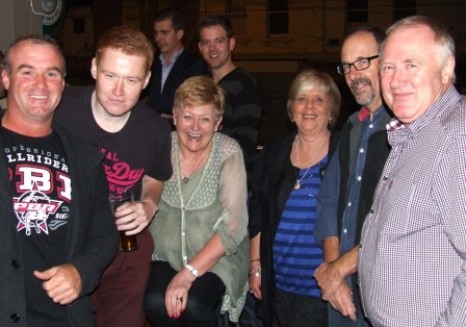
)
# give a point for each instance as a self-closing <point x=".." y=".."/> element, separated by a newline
<point x="193" y="271"/>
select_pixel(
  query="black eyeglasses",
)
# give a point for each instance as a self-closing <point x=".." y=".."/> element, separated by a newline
<point x="360" y="64"/>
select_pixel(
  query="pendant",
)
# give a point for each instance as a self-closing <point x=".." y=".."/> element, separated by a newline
<point x="297" y="186"/>
<point x="185" y="179"/>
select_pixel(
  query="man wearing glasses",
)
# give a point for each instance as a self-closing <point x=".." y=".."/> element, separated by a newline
<point x="347" y="190"/>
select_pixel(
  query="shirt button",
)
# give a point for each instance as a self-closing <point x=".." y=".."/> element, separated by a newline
<point x="359" y="178"/>
<point x="371" y="211"/>
<point x="349" y="204"/>
<point x="15" y="264"/>
<point x="361" y="150"/>
<point x="371" y="125"/>
<point x="14" y="317"/>
<point x="345" y="231"/>
<point x="384" y="178"/>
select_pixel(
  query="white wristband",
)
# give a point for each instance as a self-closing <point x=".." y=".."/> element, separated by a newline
<point x="193" y="271"/>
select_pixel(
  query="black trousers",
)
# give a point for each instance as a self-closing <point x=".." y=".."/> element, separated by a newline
<point x="204" y="297"/>
<point x="300" y="311"/>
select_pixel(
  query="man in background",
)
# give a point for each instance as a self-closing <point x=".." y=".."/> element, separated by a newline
<point x="243" y="103"/>
<point x="243" y="100"/>
<point x="174" y="63"/>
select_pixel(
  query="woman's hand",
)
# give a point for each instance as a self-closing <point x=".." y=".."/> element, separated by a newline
<point x="255" y="279"/>
<point x="176" y="296"/>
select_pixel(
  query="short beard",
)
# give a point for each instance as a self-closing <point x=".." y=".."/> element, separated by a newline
<point x="362" y="101"/>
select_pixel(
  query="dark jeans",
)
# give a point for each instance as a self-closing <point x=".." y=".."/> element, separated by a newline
<point x="300" y="311"/>
<point x="204" y="296"/>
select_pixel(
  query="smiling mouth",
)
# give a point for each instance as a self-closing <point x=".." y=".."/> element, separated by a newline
<point x="38" y="97"/>
<point x="359" y="85"/>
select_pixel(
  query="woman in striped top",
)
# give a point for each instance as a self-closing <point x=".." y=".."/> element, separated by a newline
<point x="284" y="253"/>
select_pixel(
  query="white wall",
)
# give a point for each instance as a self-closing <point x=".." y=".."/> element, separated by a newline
<point x="16" y="19"/>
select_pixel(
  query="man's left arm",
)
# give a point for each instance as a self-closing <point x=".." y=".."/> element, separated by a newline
<point x="454" y="217"/>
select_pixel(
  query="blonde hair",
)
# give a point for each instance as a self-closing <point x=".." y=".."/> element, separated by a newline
<point x="312" y="79"/>
<point x="197" y="91"/>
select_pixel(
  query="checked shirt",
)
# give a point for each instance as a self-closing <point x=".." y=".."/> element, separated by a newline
<point x="412" y="262"/>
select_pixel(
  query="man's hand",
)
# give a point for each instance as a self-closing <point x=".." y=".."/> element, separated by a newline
<point x="133" y="217"/>
<point x="62" y="283"/>
<point x="342" y="301"/>
<point x="328" y="279"/>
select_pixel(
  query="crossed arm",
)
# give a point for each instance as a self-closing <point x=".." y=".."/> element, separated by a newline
<point x="331" y="275"/>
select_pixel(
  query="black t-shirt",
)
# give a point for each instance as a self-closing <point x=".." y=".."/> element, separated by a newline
<point x="141" y="147"/>
<point x="41" y="189"/>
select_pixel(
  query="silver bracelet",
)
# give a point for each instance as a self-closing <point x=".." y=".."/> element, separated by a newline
<point x="193" y="271"/>
<point x="257" y="272"/>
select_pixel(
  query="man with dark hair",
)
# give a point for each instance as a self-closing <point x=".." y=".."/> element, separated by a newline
<point x="136" y="143"/>
<point x="243" y="103"/>
<point x="174" y="64"/>
<point x="347" y="189"/>
<point x="57" y="231"/>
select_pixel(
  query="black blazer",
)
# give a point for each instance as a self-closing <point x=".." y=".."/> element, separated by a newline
<point x="187" y="65"/>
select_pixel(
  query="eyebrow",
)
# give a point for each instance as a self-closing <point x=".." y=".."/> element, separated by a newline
<point x="106" y="71"/>
<point x="53" y="68"/>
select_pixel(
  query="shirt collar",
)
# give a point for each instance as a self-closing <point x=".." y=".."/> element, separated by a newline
<point x="363" y="114"/>
<point x="399" y="132"/>
<point x="173" y="58"/>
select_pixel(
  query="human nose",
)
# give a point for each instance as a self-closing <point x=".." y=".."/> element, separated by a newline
<point x="352" y="72"/>
<point x="397" y="78"/>
<point x="40" y="81"/>
<point x="196" y="124"/>
<point x="118" y="88"/>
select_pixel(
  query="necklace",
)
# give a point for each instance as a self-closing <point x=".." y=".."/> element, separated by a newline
<point x="297" y="185"/>
<point x="185" y="178"/>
